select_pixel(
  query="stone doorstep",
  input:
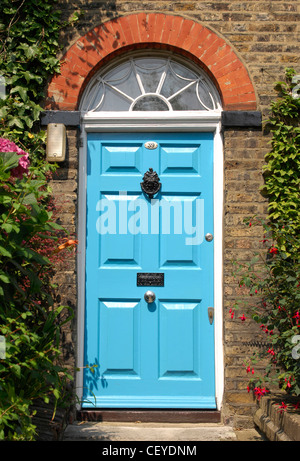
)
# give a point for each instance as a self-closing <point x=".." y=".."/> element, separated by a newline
<point x="275" y="425"/>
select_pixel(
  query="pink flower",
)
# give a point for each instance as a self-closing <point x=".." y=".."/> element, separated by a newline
<point x="10" y="146"/>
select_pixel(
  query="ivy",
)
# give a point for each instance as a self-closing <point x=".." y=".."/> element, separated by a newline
<point x="29" y="32"/>
<point x="282" y="169"/>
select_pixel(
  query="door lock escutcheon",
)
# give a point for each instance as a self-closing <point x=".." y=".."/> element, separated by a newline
<point x="210" y="314"/>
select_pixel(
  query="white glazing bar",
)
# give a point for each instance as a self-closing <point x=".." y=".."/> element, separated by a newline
<point x="138" y="78"/>
<point x="163" y="77"/>
<point x="199" y="99"/>
<point x="182" y="89"/>
<point x="120" y="92"/>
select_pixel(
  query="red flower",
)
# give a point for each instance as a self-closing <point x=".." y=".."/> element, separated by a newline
<point x="260" y="392"/>
<point x="282" y="407"/>
<point x="264" y="240"/>
<point x="243" y="318"/>
<point x="271" y="351"/>
<point x="273" y="250"/>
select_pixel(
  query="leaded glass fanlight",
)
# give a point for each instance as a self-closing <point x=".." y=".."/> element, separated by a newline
<point x="151" y="83"/>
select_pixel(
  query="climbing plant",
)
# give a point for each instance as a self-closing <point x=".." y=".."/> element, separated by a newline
<point x="282" y="168"/>
<point x="272" y="277"/>
<point x="29" y="32"/>
<point x="30" y="239"/>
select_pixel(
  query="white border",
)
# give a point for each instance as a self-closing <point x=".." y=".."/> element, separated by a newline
<point x="186" y="121"/>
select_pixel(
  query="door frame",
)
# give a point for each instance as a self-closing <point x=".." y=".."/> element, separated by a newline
<point x="126" y="122"/>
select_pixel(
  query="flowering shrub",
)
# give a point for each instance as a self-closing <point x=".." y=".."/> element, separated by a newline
<point x="23" y="162"/>
<point x="30" y="240"/>
<point x="30" y="322"/>
<point x="273" y="275"/>
<point x="273" y="283"/>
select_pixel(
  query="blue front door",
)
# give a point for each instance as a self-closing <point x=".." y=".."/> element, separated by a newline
<point x="141" y="354"/>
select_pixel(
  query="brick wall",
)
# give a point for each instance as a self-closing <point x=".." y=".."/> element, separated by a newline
<point x="265" y="37"/>
<point x="244" y="151"/>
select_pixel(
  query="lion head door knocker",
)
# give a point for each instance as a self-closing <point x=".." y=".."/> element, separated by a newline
<point x="151" y="184"/>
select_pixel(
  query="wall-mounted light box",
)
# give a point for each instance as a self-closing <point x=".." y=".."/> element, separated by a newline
<point x="56" y="142"/>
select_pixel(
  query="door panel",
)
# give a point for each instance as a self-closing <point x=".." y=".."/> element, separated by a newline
<point x="157" y="355"/>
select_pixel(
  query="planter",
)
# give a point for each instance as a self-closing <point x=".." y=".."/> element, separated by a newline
<point x="278" y="425"/>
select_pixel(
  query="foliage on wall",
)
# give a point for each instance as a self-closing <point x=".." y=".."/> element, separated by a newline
<point x="29" y="32"/>
<point x="30" y="239"/>
<point x="272" y="277"/>
<point x="282" y="169"/>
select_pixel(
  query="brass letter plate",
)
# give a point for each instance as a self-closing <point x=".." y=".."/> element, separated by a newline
<point x="150" y="279"/>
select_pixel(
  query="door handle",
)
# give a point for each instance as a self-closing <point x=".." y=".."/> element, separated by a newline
<point x="149" y="297"/>
<point x="210" y="311"/>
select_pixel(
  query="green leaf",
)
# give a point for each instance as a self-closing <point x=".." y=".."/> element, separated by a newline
<point x="29" y="199"/>
<point x="5" y="252"/>
<point x="7" y="227"/>
<point x="10" y="159"/>
<point x="22" y="92"/>
<point x="16" y="369"/>
<point x="4" y="278"/>
<point x="15" y="121"/>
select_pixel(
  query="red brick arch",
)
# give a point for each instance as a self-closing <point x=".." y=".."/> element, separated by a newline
<point x="157" y="31"/>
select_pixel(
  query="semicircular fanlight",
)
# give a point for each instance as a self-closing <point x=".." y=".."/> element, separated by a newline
<point x="151" y="83"/>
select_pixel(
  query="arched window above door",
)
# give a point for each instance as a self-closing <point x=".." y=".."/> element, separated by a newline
<point x="151" y="83"/>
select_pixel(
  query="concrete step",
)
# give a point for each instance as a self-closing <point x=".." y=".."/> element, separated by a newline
<point x="107" y="431"/>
